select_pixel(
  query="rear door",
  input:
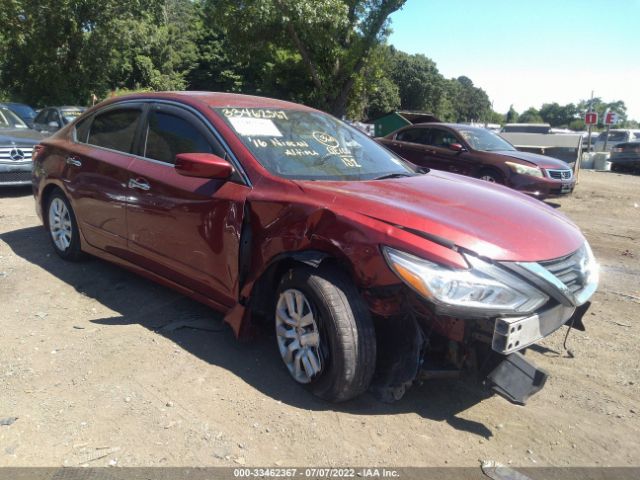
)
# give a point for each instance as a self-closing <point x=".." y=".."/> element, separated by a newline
<point x="184" y="228"/>
<point x="96" y="172"/>
<point x="410" y="145"/>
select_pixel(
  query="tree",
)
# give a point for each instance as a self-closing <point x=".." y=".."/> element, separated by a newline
<point x="511" y="116"/>
<point x="420" y="84"/>
<point x="530" y="115"/>
<point x="333" y="39"/>
<point x="558" y="115"/>
<point x="62" y="51"/>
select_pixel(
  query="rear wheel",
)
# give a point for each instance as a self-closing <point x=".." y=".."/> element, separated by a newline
<point x="324" y="332"/>
<point x="63" y="228"/>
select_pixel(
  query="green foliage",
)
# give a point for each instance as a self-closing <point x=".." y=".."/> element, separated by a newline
<point x="530" y="116"/>
<point x="512" y="115"/>
<point x="330" y="54"/>
<point x="332" y="39"/>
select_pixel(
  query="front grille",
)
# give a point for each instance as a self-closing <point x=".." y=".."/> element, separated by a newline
<point x="569" y="270"/>
<point x="10" y="177"/>
<point x="16" y="154"/>
<point x="560" y="174"/>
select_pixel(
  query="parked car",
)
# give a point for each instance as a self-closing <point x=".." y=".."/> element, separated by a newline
<point x="625" y="157"/>
<point x="16" y="146"/>
<point x="614" y="137"/>
<point x="26" y="113"/>
<point x="527" y="128"/>
<point x="480" y="153"/>
<point x="52" y="119"/>
<point x="368" y="270"/>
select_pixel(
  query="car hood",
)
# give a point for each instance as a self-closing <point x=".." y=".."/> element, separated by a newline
<point x="537" y="159"/>
<point x="22" y="136"/>
<point x="490" y="220"/>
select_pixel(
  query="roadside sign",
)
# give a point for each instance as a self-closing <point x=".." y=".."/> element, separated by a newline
<point x="591" y="118"/>
<point x="610" y="118"/>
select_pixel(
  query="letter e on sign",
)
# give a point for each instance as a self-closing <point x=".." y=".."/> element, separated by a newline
<point x="610" y="118"/>
<point x="591" y="118"/>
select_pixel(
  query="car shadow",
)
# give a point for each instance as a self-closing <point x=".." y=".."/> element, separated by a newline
<point x="552" y="204"/>
<point x="140" y="301"/>
<point x="14" y="192"/>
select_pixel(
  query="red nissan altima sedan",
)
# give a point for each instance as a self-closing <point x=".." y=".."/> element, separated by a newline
<point x="369" y="271"/>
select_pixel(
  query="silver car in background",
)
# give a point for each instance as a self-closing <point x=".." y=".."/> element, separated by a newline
<point x="16" y="149"/>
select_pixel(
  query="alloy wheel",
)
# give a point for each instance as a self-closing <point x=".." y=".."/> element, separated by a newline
<point x="60" y="224"/>
<point x="298" y="336"/>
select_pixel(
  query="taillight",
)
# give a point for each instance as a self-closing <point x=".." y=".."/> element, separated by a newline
<point x="37" y="150"/>
<point x="617" y="149"/>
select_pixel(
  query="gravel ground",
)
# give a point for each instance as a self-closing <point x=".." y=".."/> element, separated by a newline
<point x="91" y="375"/>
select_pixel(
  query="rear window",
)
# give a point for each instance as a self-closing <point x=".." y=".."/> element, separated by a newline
<point x="115" y="129"/>
<point x="617" y="136"/>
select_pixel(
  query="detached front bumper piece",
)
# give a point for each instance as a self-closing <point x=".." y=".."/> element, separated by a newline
<point x="516" y="379"/>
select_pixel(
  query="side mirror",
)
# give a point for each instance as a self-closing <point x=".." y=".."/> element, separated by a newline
<point x="456" y="147"/>
<point x="203" y="165"/>
<point x="54" y="124"/>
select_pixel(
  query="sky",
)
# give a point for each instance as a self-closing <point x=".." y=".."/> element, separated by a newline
<point x="529" y="52"/>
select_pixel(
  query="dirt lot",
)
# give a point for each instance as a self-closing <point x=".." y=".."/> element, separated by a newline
<point x="93" y="378"/>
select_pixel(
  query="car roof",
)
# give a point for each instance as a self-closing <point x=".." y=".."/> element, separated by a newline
<point x="449" y="125"/>
<point x="218" y="99"/>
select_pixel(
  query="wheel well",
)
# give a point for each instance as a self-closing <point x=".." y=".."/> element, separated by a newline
<point x="493" y="170"/>
<point x="44" y="200"/>
<point x="263" y="292"/>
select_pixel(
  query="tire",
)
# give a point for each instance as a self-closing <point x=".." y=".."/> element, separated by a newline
<point x="337" y="365"/>
<point x="63" y="227"/>
<point x="492" y="176"/>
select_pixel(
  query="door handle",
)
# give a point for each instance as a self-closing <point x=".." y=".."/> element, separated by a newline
<point x="397" y="145"/>
<point x="71" y="160"/>
<point x="139" y="183"/>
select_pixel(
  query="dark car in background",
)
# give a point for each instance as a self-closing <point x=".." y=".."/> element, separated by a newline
<point x="480" y="153"/>
<point x="625" y="157"/>
<point x="16" y="147"/>
<point x="52" y="119"/>
<point x="26" y="113"/>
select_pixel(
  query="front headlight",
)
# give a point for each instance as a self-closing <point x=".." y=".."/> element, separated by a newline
<point x="483" y="289"/>
<point x="524" y="169"/>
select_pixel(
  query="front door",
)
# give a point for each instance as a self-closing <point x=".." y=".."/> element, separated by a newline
<point x="184" y="228"/>
<point x="445" y="158"/>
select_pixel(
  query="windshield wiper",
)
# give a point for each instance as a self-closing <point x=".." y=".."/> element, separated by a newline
<point x="393" y="175"/>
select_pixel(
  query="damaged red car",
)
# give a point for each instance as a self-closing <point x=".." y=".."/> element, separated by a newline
<point x="371" y="272"/>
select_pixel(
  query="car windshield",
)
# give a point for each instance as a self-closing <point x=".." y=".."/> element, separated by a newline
<point x="311" y="145"/>
<point x="69" y="115"/>
<point x="8" y="119"/>
<point x="485" y="140"/>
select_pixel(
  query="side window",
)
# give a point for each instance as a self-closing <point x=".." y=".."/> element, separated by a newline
<point x="41" y="116"/>
<point x="82" y="130"/>
<point x="115" y="129"/>
<point x="54" y="117"/>
<point x="168" y="135"/>
<point x="637" y="135"/>
<point x="442" y="138"/>
<point x="411" y="135"/>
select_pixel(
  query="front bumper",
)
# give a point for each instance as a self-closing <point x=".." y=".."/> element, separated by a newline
<point x="15" y="174"/>
<point x="542" y="187"/>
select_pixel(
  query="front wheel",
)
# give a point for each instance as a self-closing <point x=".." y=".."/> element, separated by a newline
<point x="491" y="177"/>
<point x="325" y="333"/>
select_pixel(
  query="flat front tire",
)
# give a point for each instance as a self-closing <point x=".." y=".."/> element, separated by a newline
<point x="324" y="332"/>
